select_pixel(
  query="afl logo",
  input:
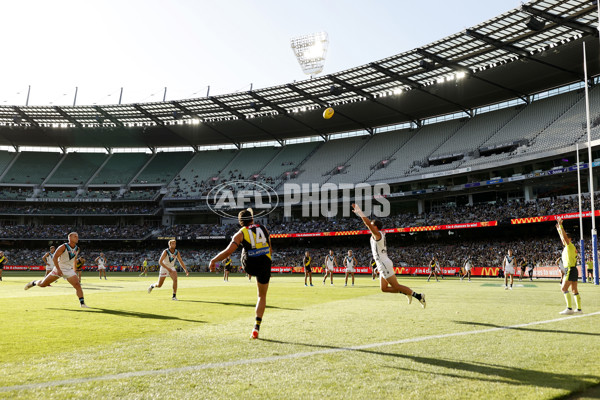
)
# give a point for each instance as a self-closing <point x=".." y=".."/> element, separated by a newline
<point x="229" y="198"/>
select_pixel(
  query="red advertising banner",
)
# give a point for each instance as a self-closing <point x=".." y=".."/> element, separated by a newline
<point x="545" y="218"/>
<point x="417" y="271"/>
<point x="24" y="268"/>
<point x="483" y="224"/>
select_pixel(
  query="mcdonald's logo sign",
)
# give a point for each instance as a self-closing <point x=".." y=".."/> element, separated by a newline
<point x="489" y="271"/>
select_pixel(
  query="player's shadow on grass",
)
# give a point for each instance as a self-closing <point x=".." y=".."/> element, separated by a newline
<point x="523" y="328"/>
<point x="134" y="314"/>
<point x="225" y="303"/>
<point x="481" y="372"/>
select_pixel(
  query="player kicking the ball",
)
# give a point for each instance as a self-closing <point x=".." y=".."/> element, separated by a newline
<point x="256" y="259"/>
<point x="167" y="267"/>
<point x="387" y="277"/>
<point x="64" y="265"/>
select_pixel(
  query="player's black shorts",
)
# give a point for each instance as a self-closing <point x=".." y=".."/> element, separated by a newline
<point x="590" y="270"/>
<point x="228" y="268"/>
<point x="262" y="270"/>
<point x="308" y="269"/>
<point x="572" y="275"/>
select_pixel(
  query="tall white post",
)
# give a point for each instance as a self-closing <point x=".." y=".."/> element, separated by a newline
<point x="581" y="242"/>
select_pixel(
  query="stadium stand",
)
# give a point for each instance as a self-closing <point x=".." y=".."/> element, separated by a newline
<point x="120" y="168"/>
<point x="191" y="180"/>
<point x="76" y="168"/>
<point x="31" y="167"/>
<point x="288" y="160"/>
<point x="5" y="159"/>
<point x="163" y="167"/>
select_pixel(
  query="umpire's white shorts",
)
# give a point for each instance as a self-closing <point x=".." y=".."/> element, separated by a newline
<point x="385" y="267"/>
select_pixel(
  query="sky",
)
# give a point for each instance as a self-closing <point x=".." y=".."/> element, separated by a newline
<point x="144" y="46"/>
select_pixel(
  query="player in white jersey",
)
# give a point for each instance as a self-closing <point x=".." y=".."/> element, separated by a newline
<point x="167" y="267"/>
<point x="101" y="261"/>
<point x="330" y="261"/>
<point x="387" y="276"/>
<point x="47" y="260"/>
<point x="468" y="266"/>
<point x="508" y="266"/>
<point x="349" y="262"/>
<point x="64" y="265"/>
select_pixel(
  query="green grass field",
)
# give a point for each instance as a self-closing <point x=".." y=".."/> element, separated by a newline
<point x="316" y="342"/>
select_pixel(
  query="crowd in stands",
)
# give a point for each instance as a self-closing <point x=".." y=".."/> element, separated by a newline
<point x="79" y="208"/>
<point x="182" y="187"/>
<point x="60" y="232"/>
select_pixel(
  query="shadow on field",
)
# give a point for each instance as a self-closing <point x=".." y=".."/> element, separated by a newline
<point x="526" y="329"/>
<point x="224" y="303"/>
<point x="479" y="371"/>
<point x="135" y="314"/>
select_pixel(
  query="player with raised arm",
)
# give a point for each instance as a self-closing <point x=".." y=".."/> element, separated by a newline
<point x="64" y="265"/>
<point x="256" y="259"/>
<point x="47" y="260"/>
<point x="101" y="261"/>
<point x="330" y="261"/>
<point x="387" y="277"/>
<point x="569" y="259"/>
<point x="349" y="262"/>
<point x="508" y="266"/>
<point x="167" y="267"/>
<point x="307" y="268"/>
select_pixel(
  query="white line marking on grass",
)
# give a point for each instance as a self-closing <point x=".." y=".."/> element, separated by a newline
<point x="200" y="367"/>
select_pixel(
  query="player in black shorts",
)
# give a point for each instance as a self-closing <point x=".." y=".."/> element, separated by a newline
<point x="307" y="268"/>
<point x="2" y="262"/>
<point x="256" y="258"/>
<point x="226" y="269"/>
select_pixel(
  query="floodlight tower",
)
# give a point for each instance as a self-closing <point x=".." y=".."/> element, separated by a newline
<point x="311" y="51"/>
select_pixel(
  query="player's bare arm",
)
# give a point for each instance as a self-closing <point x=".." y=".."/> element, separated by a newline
<point x="561" y="232"/>
<point x="57" y="254"/>
<point x="374" y="231"/>
<point x="235" y="242"/>
<point x="187" y="272"/>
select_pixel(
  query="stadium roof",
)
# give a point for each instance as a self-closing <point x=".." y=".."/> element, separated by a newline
<point x="533" y="48"/>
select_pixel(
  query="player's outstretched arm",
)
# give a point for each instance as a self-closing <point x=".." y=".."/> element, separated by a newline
<point x="561" y="231"/>
<point x="235" y="242"/>
<point x="374" y="231"/>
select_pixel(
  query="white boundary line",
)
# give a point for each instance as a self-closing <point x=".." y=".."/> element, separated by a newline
<point x="225" y="364"/>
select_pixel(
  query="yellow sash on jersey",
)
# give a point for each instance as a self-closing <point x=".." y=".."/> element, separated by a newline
<point x="260" y="245"/>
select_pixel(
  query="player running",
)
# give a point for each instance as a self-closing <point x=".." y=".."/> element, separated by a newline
<point x="569" y="259"/>
<point x="144" y="267"/>
<point x="47" y="260"/>
<point x="508" y="266"/>
<point x="433" y="269"/>
<point x="167" y="267"/>
<point x="307" y="268"/>
<point x="101" y="261"/>
<point x="349" y="262"/>
<point x="64" y="265"/>
<point x="330" y="261"/>
<point x="387" y="277"/>
<point x="256" y="259"/>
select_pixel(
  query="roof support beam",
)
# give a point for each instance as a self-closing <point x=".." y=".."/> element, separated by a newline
<point x="324" y="104"/>
<point x="517" y="50"/>
<point x="369" y="96"/>
<point x="559" y="20"/>
<point x="155" y="119"/>
<point x="109" y="116"/>
<point x="469" y="72"/>
<point x="282" y="111"/>
<point x="187" y="111"/>
<point x="68" y="117"/>
<point x="244" y="118"/>
<point x="415" y="85"/>
<point x="25" y="117"/>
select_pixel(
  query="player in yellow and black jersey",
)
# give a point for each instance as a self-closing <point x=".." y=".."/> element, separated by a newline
<point x="2" y="262"/>
<point x="79" y="267"/>
<point x="307" y="268"/>
<point x="256" y="258"/>
<point x="226" y="269"/>
<point x="433" y="266"/>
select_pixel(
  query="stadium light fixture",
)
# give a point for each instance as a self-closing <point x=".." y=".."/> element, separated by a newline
<point x="311" y="51"/>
